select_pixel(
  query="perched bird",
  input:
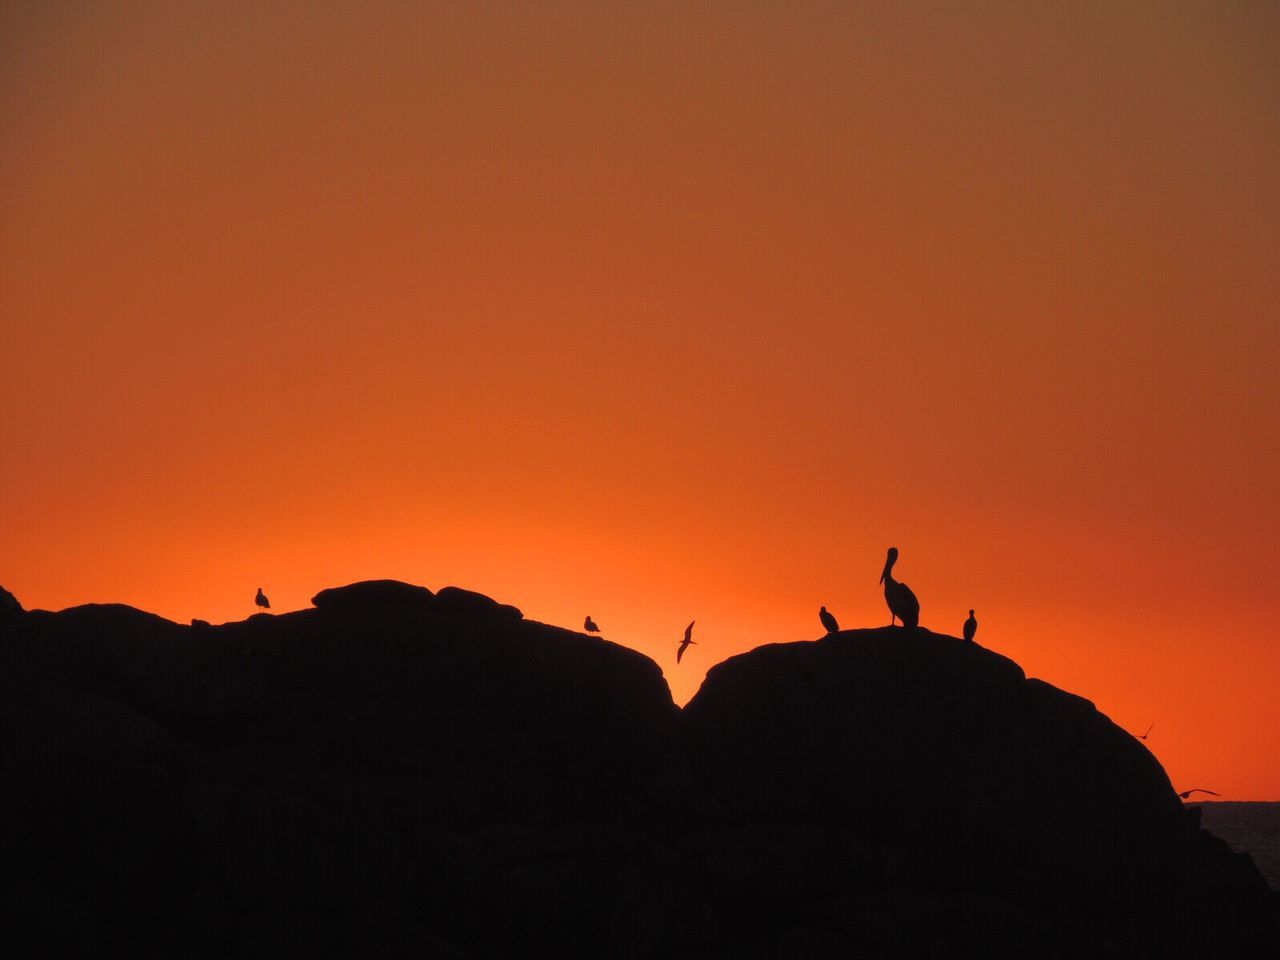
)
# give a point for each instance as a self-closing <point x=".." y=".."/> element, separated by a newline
<point x="903" y="604"/>
<point x="261" y="600"/>
<point x="828" y="620"/>
<point x="1149" y="729"/>
<point x="688" y="635"/>
<point x="590" y="625"/>
<point x="970" y="627"/>
<point x="1187" y="793"/>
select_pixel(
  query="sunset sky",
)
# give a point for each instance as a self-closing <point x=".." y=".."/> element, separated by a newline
<point x="657" y="312"/>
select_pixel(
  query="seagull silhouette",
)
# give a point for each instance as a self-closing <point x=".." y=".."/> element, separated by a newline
<point x="1148" y="733"/>
<point x="590" y="625"/>
<point x="828" y="620"/>
<point x="261" y="600"/>
<point x="688" y="634"/>
<point x="1187" y="793"/>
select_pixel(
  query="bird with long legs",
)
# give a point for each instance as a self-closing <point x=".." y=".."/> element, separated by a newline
<point x="903" y="604"/>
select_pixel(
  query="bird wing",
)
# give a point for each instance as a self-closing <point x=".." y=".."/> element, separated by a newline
<point x="688" y="631"/>
<point x="680" y="651"/>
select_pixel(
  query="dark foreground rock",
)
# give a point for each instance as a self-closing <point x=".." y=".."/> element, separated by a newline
<point x="401" y="773"/>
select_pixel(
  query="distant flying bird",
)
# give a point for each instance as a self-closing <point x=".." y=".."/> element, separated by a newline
<point x="970" y="627"/>
<point x="828" y="620"/>
<point x="261" y="600"/>
<point x="1188" y="793"/>
<point x="1149" y="729"/>
<point x="688" y="634"/>
<point x="903" y="604"/>
<point x="590" y="625"/>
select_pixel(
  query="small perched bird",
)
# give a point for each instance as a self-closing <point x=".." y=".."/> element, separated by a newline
<point x="903" y="604"/>
<point x="1187" y="793"/>
<point x="828" y="620"/>
<point x="590" y="625"/>
<point x="261" y="600"/>
<point x="970" y="627"/>
<point x="688" y="639"/>
<point x="1149" y="729"/>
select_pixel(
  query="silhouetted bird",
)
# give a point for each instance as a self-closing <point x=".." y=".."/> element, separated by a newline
<point x="590" y="625"/>
<point x="903" y="604"/>
<point x="688" y="639"/>
<point x="1187" y="793"/>
<point x="970" y="627"/>
<point x="828" y="620"/>
<point x="1149" y="729"/>
<point x="261" y="600"/>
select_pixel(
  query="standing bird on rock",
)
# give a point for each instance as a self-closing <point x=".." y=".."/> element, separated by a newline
<point x="688" y="639"/>
<point x="828" y="620"/>
<point x="261" y="600"/>
<point x="970" y="627"/>
<point x="903" y="604"/>
<point x="590" y="625"/>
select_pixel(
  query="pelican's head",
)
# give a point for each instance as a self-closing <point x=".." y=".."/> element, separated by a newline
<point x="889" y="561"/>
<point x="971" y="613"/>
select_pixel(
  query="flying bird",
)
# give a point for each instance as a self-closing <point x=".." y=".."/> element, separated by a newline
<point x="970" y="627"/>
<point x="903" y="604"/>
<point x="590" y="625"/>
<point x="688" y="639"/>
<point x="1187" y="793"/>
<point x="828" y="620"/>
<point x="1149" y="729"/>
<point x="261" y="600"/>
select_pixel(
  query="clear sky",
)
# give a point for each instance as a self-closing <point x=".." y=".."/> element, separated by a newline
<point x="662" y="311"/>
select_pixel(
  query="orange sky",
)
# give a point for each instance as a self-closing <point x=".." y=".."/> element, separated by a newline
<point x="684" y="311"/>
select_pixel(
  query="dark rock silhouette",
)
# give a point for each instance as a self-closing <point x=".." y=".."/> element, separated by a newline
<point x="466" y="603"/>
<point x="372" y="593"/>
<point x="9" y="605"/>
<point x="399" y="774"/>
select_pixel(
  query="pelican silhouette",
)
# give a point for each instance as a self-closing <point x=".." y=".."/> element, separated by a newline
<point x="1187" y="793"/>
<point x="688" y="635"/>
<point x="261" y="600"/>
<point x="970" y="627"/>
<point x="903" y="604"/>
<point x="590" y="625"/>
<point x="828" y="620"/>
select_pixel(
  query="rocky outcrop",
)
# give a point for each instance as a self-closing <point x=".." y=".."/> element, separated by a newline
<point x="955" y="777"/>
<point x="10" y="608"/>
<point x="401" y="773"/>
<point x="369" y="594"/>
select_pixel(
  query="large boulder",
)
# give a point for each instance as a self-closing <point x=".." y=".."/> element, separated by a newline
<point x="10" y="608"/>
<point x="952" y="772"/>
<point x="372" y="593"/>
<point x="467" y="603"/>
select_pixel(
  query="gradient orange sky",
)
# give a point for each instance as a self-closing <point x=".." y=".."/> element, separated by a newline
<point x="672" y="311"/>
